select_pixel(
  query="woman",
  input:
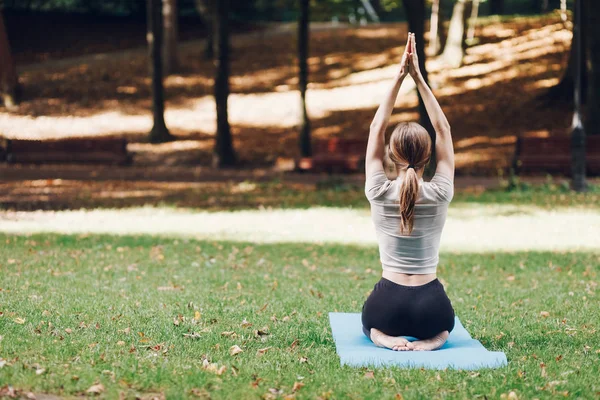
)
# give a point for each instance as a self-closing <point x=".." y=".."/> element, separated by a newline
<point x="409" y="215"/>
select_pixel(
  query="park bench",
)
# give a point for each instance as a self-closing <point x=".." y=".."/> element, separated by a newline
<point x="109" y="150"/>
<point x="336" y="155"/>
<point x="553" y="155"/>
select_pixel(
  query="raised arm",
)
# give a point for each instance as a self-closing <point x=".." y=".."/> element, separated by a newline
<point x="444" y="149"/>
<point x="376" y="143"/>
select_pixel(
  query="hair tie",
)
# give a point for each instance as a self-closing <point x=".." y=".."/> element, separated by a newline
<point x="411" y="166"/>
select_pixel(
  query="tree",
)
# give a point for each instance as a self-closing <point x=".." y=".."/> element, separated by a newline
<point x="436" y="29"/>
<point x="591" y="15"/>
<point x="472" y="22"/>
<point x="223" y="153"/>
<point x="454" y="50"/>
<point x="415" y="10"/>
<point x="9" y="81"/>
<point x="563" y="91"/>
<point x="206" y="10"/>
<point x="170" y="59"/>
<point x="159" y="132"/>
<point x="578" y="134"/>
<point x="305" y="145"/>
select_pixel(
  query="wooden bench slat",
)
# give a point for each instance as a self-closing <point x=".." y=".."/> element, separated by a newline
<point x="76" y="150"/>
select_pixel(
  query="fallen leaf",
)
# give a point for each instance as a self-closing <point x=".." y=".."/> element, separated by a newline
<point x="96" y="389"/>
<point x="20" y="321"/>
<point x="197" y="315"/>
<point x="369" y="375"/>
<point x="297" y="386"/>
<point x="246" y="324"/>
<point x="303" y="360"/>
<point x="68" y="330"/>
<point x="193" y="335"/>
<point x="543" y="367"/>
<point x="228" y="334"/>
<point x="260" y="352"/>
<point x="256" y="382"/>
<point x="235" y="349"/>
<point x="294" y="344"/>
<point x="262" y="331"/>
<point x="544" y="314"/>
<point x="512" y="396"/>
<point x="202" y="393"/>
<point x="120" y="343"/>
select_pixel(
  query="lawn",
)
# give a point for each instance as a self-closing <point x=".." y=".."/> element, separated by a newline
<point x="140" y="315"/>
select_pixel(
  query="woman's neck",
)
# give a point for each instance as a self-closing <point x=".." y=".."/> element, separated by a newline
<point x="402" y="173"/>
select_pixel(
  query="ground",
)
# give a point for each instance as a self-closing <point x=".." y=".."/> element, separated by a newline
<point x="489" y="101"/>
<point x="160" y="317"/>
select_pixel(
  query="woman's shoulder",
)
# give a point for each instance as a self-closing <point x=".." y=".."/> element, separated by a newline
<point x="441" y="186"/>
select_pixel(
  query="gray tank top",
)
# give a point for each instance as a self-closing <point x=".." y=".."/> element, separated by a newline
<point x="417" y="253"/>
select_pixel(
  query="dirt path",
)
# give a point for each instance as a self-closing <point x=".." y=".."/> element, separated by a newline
<point x="474" y="229"/>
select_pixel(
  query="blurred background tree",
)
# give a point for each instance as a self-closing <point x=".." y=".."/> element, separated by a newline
<point x="9" y="81"/>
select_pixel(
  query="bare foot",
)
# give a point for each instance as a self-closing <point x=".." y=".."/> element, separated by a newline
<point x="429" y="344"/>
<point x="380" y="339"/>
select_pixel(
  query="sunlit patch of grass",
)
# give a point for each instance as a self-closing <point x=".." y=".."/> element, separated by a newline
<point x="142" y="314"/>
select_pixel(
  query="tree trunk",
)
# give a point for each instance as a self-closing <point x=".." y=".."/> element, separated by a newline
<point x="415" y="10"/>
<point x="170" y="54"/>
<point x="434" y="28"/>
<point x="206" y="10"/>
<point x="497" y="7"/>
<point x="578" y="153"/>
<point x="473" y="22"/>
<point x="562" y="93"/>
<point x="303" y="25"/>
<point x="591" y="16"/>
<point x="454" y="50"/>
<point x="159" y="132"/>
<point x="9" y="81"/>
<point x="223" y="153"/>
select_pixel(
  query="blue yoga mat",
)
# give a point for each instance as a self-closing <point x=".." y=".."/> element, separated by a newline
<point x="459" y="352"/>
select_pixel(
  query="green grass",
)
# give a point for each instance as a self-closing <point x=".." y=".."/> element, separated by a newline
<point x="101" y="287"/>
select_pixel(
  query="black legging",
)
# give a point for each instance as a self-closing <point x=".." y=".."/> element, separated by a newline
<point x="418" y="311"/>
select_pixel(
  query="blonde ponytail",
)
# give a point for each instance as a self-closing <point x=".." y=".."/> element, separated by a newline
<point x="409" y="191"/>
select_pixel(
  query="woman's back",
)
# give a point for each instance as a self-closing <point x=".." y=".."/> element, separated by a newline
<point x="417" y="252"/>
